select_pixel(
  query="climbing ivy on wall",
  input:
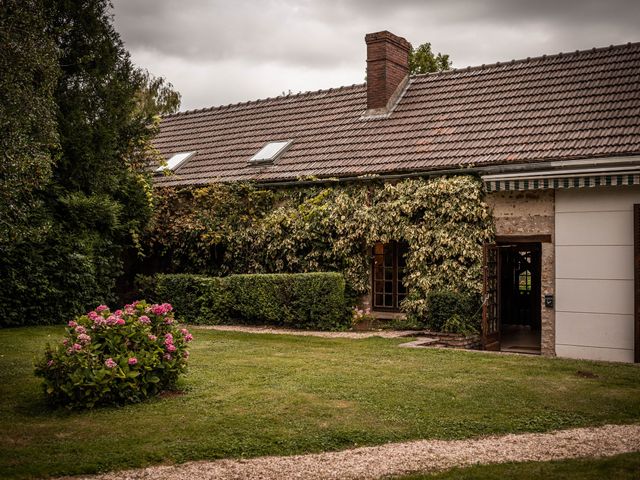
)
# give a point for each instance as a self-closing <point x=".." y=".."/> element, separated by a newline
<point x="241" y="228"/>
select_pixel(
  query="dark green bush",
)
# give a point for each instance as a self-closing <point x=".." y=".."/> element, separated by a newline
<point x="185" y="292"/>
<point x="314" y="301"/>
<point x="453" y="312"/>
<point x="299" y="300"/>
<point x="50" y="281"/>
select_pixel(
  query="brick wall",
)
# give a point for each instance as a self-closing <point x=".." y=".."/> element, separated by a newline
<point x="532" y="213"/>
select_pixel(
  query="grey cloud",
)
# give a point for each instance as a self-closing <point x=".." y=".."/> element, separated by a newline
<point x="260" y="47"/>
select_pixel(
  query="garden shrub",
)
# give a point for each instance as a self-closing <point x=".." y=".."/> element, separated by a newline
<point x="185" y="292"/>
<point x="453" y="312"/>
<point x="303" y="300"/>
<point x="115" y="358"/>
<point x="313" y="301"/>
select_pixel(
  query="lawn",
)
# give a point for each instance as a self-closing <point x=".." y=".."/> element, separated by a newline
<point x="249" y="395"/>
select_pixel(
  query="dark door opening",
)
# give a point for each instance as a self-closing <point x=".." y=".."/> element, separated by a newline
<point x="511" y="315"/>
<point x="519" y="297"/>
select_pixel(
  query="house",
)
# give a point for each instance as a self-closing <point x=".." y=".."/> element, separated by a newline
<point x="555" y="139"/>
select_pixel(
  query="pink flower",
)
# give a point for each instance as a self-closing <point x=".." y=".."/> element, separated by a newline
<point x="84" y="339"/>
<point x="111" y="320"/>
<point x="184" y="331"/>
<point x="133" y="361"/>
<point x="80" y="329"/>
<point x="186" y="354"/>
<point x="161" y="309"/>
<point x="118" y="313"/>
<point x="171" y="348"/>
<point x="72" y="324"/>
<point x="109" y="363"/>
<point x="129" y="310"/>
<point x="144" y="319"/>
<point x="188" y="337"/>
<point x="65" y="342"/>
<point x="77" y="346"/>
<point x="167" y="356"/>
<point x="49" y="363"/>
<point x="153" y="338"/>
<point x="168" y="320"/>
<point x="168" y="339"/>
<point x="101" y="308"/>
<point x="120" y="321"/>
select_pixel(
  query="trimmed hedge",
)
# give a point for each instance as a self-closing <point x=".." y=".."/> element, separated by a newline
<point x="184" y="291"/>
<point x="453" y="312"/>
<point x="314" y="301"/>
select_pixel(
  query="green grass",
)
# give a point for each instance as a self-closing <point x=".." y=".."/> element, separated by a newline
<point x="250" y="395"/>
<point x="620" y="467"/>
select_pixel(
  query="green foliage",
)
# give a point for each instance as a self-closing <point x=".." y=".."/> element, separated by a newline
<point x="222" y="229"/>
<point x="113" y="359"/>
<point x="453" y="312"/>
<point x="70" y="93"/>
<point x="189" y="295"/>
<point x="314" y="301"/>
<point x="156" y="96"/>
<point x="28" y="74"/>
<point x="423" y="60"/>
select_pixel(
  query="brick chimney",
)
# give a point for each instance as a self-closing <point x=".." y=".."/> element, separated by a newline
<point x="387" y="70"/>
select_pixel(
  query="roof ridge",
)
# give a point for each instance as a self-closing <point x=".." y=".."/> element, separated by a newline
<point x="526" y="60"/>
<point x="263" y="100"/>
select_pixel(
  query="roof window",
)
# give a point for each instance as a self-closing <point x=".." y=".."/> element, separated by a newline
<point x="175" y="161"/>
<point x="270" y="152"/>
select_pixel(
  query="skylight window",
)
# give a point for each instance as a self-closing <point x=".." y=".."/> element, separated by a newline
<point x="270" y="151"/>
<point x="175" y="161"/>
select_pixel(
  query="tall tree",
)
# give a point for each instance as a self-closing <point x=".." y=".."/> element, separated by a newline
<point x="28" y="75"/>
<point x="423" y="60"/>
<point x="98" y="198"/>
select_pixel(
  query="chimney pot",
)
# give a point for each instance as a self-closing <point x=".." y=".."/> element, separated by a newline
<point x="387" y="69"/>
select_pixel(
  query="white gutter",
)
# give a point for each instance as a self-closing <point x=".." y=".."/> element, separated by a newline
<point x="614" y="166"/>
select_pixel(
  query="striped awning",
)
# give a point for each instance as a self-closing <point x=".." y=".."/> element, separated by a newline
<point x="576" y="181"/>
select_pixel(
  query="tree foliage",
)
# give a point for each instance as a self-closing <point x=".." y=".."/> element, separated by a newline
<point x="222" y="229"/>
<point x="28" y="140"/>
<point x="94" y="194"/>
<point x="423" y="60"/>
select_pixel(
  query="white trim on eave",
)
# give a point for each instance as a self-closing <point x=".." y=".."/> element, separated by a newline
<point x="563" y="168"/>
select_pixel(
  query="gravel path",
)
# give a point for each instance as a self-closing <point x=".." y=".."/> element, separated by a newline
<point x="403" y="458"/>
<point x="311" y="333"/>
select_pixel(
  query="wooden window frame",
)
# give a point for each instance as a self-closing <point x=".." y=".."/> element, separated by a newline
<point x="395" y="283"/>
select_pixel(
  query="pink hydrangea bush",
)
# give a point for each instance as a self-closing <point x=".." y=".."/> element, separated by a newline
<point x="113" y="358"/>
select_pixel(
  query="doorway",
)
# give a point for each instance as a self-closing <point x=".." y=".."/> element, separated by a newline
<point x="511" y="317"/>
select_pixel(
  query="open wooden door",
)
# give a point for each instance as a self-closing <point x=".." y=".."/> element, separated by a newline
<point x="490" y="311"/>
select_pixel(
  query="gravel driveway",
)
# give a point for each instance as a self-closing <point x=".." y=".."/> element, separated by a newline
<point x="404" y="458"/>
<point x="313" y="333"/>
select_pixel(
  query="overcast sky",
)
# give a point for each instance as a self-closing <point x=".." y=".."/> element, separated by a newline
<point x="224" y="51"/>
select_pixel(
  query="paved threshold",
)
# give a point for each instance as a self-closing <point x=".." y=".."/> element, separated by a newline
<point x="423" y="456"/>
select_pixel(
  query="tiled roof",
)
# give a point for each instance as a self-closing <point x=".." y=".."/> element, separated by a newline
<point x="573" y="105"/>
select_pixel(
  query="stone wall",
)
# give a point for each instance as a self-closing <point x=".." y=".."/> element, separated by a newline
<point x="532" y="213"/>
